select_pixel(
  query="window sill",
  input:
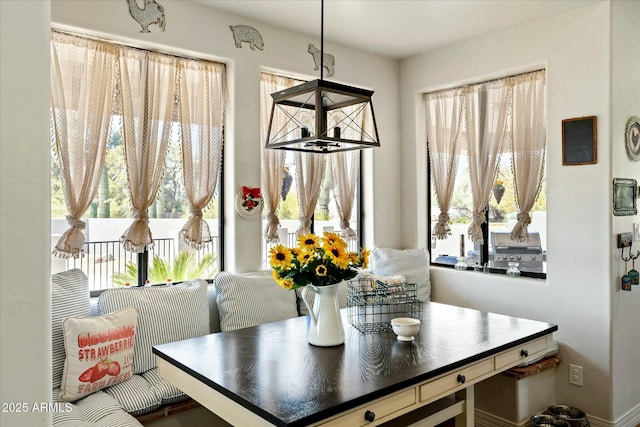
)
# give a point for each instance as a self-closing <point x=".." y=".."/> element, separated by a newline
<point x="497" y="271"/>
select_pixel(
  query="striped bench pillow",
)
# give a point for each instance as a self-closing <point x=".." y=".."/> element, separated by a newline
<point x="250" y="299"/>
<point x="69" y="298"/>
<point x="166" y="313"/>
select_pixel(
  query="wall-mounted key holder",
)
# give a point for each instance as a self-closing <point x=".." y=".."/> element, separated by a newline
<point x="632" y="277"/>
<point x="633" y="274"/>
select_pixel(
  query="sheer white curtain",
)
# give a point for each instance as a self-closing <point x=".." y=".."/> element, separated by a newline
<point x="528" y="145"/>
<point x="486" y="112"/>
<point x="443" y="117"/>
<point x="345" y="166"/>
<point x="148" y="97"/>
<point x="82" y="78"/>
<point x="273" y="161"/>
<point x="310" y="169"/>
<point x="202" y="90"/>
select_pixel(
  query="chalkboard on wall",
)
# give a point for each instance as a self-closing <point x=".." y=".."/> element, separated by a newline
<point x="579" y="142"/>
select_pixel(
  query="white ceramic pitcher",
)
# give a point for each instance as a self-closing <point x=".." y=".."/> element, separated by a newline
<point x="325" y="329"/>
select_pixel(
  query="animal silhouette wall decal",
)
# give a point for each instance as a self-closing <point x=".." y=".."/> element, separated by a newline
<point x="245" y="33"/>
<point x="328" y="62"/>
<point x="151" y="13"/>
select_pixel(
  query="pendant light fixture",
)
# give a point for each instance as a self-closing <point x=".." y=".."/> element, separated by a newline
<point x="321" y="116"/>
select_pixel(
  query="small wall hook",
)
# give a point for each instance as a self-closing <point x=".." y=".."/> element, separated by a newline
<point x="629" y="258"/>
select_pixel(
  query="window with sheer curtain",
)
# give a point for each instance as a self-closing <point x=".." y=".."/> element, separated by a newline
<point x="305" y="191"/>
<point x="137" y="140"/>
<point x="486" y="145"/>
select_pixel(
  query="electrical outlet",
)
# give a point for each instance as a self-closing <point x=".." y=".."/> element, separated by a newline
<point x="575" y="375"/>
<point x="624" y="240"/>
<point x="636" y="232"/>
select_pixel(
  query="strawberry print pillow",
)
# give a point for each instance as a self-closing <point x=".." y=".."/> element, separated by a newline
<point x="99" y="352"/>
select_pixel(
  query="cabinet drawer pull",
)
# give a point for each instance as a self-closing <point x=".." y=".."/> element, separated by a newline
<point x="461" y="378"/>
<point x="524" y="353"/>
<point x="369" y="416"/>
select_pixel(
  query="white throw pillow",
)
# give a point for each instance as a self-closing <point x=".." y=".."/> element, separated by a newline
<point x="251" y="299"/>
<point x="413" y="263"/>
<point x="99" y="351"/>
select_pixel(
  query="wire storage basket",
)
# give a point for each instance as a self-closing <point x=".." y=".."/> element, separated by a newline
<point x="371" y="304"/>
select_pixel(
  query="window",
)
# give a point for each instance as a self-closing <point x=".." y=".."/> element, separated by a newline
<point x="487" y="188"/>
<point x="160" y="132"/>
<point x="282" y="172"/>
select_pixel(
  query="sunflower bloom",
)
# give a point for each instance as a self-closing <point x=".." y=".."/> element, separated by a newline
<point x="321" y="270"/>
<point x="353" y="258"/>
<point x="309" y="242"/>
<point x="286" y="283"/>
<point x="338" y="256"/>
<point x="318" y="261"/>
<point x="304" y="257"/>
<point x="331" y="239"/>
<point x="364" y="256"/>
<point x="280" y="256"/>
<point x="276" y="276"/>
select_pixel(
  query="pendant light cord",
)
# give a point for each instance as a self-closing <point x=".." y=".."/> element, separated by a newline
<point x="321" y="39"/>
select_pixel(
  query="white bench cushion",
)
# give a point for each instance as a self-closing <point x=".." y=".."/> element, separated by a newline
<point x="134" y="395"/>
<point x="96" y="410"/>
<point x="164" y="391"/>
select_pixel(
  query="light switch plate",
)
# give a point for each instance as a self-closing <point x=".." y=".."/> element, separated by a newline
<point x="636" y="232"/>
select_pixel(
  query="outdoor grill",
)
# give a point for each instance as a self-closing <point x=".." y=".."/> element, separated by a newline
<point x="528" y="253"/>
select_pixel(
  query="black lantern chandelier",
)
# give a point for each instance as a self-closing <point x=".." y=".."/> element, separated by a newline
<point x="321" y="116"/>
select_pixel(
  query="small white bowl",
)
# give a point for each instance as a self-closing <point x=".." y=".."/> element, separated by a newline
<point x="405" y="328"/>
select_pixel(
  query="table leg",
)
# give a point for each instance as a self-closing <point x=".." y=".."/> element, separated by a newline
<point x="466" y="418"/>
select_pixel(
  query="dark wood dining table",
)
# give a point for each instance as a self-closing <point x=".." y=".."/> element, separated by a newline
<point x="271" y="375"/>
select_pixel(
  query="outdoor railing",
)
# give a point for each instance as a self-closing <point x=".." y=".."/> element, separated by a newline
<point x="102" y="260"/>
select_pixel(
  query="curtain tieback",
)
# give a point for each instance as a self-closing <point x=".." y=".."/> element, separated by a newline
<point x="273" y="218"/>
<point x="479" y="217"/>
<point x="524" y="218"/>
<point x="141" y="215"/>
<point x="347" y="231"/>
<point x="443" y="218"/>
<point x="75" y="222"/>
<point x="305" y="222"/>
<point x="196" y="212"/>
<point x="441" y="228"/>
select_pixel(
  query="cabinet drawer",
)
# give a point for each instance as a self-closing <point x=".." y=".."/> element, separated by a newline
<point x="378" y="410"/>
<point x="448" y="382"/>
<point x="521" y="353"/>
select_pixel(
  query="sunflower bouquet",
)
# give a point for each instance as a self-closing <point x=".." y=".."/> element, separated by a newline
<point x="316" y="261"/>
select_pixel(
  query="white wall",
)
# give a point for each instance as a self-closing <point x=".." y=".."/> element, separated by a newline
<point x="625" y="306"/>
<point x="575" y="50"/>
<point x="193" y="29"/>
<point x="582" y="292"/>
<point x="25" y="365"/>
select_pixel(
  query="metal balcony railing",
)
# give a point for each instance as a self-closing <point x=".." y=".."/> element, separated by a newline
<point x="102" y="260"/>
